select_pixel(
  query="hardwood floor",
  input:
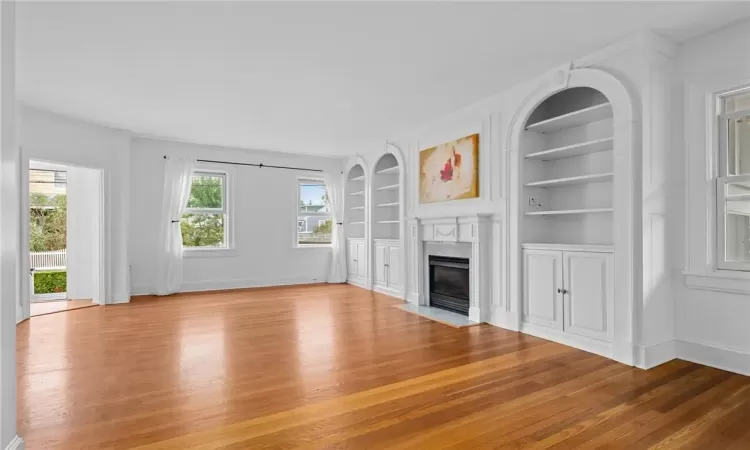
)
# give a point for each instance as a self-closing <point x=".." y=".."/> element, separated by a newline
<point x="334" y="366"/>
<point x="42" y="308"/>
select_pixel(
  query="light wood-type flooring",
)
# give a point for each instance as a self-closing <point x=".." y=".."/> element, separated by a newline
<point x="335" y="366"/>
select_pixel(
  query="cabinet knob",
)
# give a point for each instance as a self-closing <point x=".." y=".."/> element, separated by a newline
<point x="562" y="291"/>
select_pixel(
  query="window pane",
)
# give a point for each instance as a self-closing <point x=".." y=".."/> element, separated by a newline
<point x="207" y="191"/>
<point x="314" y="230"/>
<point x="313" y="197"/>
<point x="737" y="231"/>
<point x="738" y="142"/>
<point x="202" y="230"/>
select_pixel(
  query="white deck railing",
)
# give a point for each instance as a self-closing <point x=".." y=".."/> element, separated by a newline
<point x="49" y="260"/>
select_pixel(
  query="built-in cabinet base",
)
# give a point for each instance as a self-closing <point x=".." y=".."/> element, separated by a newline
<point x="568" y="295"/>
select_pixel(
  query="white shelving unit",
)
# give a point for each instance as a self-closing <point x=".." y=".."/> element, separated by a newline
<point x="355" y="203"/>
<point x="568" y="171"/>
<point x="573" y="119"/>
<point x="386" y="196"/>
<point x="566" y="229"/>
<point x="387" y="260"/>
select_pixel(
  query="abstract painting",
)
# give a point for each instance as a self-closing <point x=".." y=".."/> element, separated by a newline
<point x="450" y="171"/>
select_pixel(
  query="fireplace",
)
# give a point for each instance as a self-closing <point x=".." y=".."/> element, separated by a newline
<point x="449" y="283"/>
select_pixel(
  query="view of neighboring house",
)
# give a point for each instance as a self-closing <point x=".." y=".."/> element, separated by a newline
<point x="307" y="224"/>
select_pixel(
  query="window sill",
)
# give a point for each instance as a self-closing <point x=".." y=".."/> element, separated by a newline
<point x="189" y="253"/>
<point x="726" y="281"/>
<point x="313" y="246"/>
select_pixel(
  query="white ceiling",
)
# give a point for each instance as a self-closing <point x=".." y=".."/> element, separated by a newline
<point x="306" y="77"/>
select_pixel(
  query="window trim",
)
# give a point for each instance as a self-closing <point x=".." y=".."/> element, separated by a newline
<point x="227" y="210"/>
<point x="297" y="212"/>
<point x="723" y="179"/>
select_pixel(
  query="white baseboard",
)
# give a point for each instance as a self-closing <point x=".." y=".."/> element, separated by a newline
<point x="200" y="286"/>
<point x="723" y="358"/>
<point x="388" y="292"/>
<point x="501" y="318"/>
<point x="212" y="285"/>
<point x="650" y="356"/>
<point x="15" y="444"/>
<point x="413" y="299"/>
<point x="358" y="283"/>
<point x="580" y="342"/>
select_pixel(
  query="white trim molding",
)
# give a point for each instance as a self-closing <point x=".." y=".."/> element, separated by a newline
<point x="713" y="355"/>
<point x="719" y="281"/>
<point x="16" y="443"/>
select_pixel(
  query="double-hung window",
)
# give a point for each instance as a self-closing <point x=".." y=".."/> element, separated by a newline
<point x="204" y="224"/>
<point x="733" y="183"/>
<point x="314" y="224"/>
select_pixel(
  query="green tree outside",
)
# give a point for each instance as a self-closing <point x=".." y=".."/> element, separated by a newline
<point x="204" y="230"/>
<point x="48" y="222"/>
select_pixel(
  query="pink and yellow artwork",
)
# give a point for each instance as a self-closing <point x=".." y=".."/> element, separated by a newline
<point x="450" y="171"/>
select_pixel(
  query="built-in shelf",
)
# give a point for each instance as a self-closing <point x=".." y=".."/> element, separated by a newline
<point x="593" y="178"/>
<point x="583" y="148"/>
<point x="391" y="187"/>
<point x="393" y="169"/>
<point x="357" y="207"/>
<point x="359" y="178"/>
<point x="387" y="221"/>
<point x="387" y="205"/>
<point x="569" y="211"/>
<point x="357" y="223"/>
<point x="574" y="119"/>
<point x="357" y="193"/>
<point x="737" y="197"/>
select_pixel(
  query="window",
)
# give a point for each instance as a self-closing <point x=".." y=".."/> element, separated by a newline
<point x="314" y="221"/>
<point x="204" y="224"/>
<point x="733" y="185"/>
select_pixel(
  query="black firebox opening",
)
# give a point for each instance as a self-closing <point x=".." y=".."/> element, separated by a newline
<point x="449" y="283"/>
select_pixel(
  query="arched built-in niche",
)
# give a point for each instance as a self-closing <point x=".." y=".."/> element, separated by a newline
<point x="356" y="195"/>
<point x="356" y="218"/>
<point x="387" y="207"/>
<point x="570" y="212"/>
<point x="386" y="198"/>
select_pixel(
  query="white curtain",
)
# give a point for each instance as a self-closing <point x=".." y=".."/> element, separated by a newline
<point x="337" y="271"/>
<point x="177" y="180"/>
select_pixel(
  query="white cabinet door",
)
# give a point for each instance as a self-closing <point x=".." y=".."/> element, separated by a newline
<point x="381" y="261"/>
<point x="361" y="260"/>
<point x="589" y="296"/>
<point x="542" y="278"/>
<point x="351" y="261"/>
<point x="394" y="267"/>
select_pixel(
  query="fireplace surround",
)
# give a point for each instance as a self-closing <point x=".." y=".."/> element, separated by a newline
<point x="467" y="237"/>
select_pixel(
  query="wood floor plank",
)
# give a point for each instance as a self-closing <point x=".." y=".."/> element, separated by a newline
<point x="334" y="366"/>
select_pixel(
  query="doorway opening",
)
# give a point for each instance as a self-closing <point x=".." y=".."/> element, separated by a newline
<point x="64" y="206"/>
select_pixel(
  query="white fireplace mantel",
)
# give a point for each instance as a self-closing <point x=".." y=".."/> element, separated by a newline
<point x="475" y="230"/>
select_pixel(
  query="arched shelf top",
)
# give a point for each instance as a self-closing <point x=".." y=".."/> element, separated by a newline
<point x="357" y="170"/>
<point x="614" y="96"/>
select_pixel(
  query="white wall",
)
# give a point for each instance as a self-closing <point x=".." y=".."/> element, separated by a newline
<point x="83" y="232"/>
<point x="711" y="324"/>
<point x="9" y="227"/>
<point x="263" y="202"/>
<point x="53" y="138"/>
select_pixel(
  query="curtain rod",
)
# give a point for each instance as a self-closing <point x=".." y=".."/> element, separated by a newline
<point x="261" y="165"/>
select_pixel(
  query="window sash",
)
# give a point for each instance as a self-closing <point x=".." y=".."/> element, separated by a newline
<point x="321" y="215"/>
<point x="223" y="209"/>
<point x="722" y="184"/>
